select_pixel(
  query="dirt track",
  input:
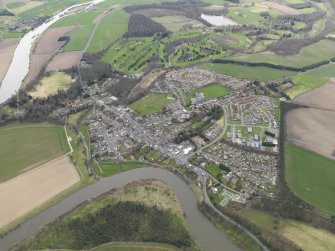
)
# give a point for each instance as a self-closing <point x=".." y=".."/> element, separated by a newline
<point x="26" y="192"/>
<point x="7" y="48"/>
<point x="64" y="60"/>
<point x="312" y="129"/>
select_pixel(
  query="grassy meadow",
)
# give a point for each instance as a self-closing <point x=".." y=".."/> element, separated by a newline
<point x="152" y="103"/>
<point x="308" y="238"/>
<point x="311" y="177"/>
<point x="111" y="28"/>
<point x="305" y="82"/>
<point x="109" y="168"/>
<point x="27" y="146"/>
<point x="242" y="71"/>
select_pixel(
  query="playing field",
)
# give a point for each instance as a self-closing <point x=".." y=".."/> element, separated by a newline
<point x="209" y="91"/>
<point x="311" y="177"/>
<point x="152" y="103"/>
<point x="112" y="27"/>
<point x="24" y="147"/>
<point x="256" y="72"/>
<point x="322" y="50"/>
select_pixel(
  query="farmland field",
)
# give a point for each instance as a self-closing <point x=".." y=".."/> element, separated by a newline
<point x="176" y="23"/>
<point x="322" y="50"/>
<point x="209" y="91"/>
<point x="111" y="28"/>
<point x="79" y="38"/>
<point x="26" y="192"/>
<point x="151" y="103"/>
<point x="23" y="147"/>
<point x="243" y="16"/>
<point x="311" y="177"/>
<point x="306" y="237"/>
<point x="7" y="48"/>
<point x="83" y="18"/>
<point x="257" y="72"/>
<point x="305" y="82"/>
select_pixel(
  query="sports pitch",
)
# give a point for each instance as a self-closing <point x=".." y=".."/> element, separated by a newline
<point x="226" y="197"/>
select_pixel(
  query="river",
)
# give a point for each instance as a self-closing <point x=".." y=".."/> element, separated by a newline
<point x="19" y="66"/>
<point x="209" y="237"/>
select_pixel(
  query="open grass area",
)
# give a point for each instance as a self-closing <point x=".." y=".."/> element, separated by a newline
<point x="11" y="35"/>
<point x="305" y="82"/>
<point x="111" y="28"/>
<point x="176" y="23"/>
<point x="79" y="38"/>
<point x="108" y="168"/>
<point x="152" y="103"/>
<point x="25" y="146"/>
<point x="322" y="50"/>
<point x="257" y="72"/>
<point x="83" y="18"/>
<point x="326" y="71"/>
<point x="306" y="237"/>
<point x="48" y="7"/>
<point x="51" y="84"/>
<point x="243" y="16"/>
<point x="311" y="177"/>
<point x="209" y="91"/>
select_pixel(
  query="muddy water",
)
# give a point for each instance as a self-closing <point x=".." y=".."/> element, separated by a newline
<point x="208" y="236"/>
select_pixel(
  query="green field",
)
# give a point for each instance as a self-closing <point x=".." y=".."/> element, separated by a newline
<point x="305" y="236"/>
<point x="209" y="91"/>
<point x="79" y="38"/>
<point x="152" y="103"/>
<point x="11" y="35"/>
<point x="108" y="168"/>
<point x="311" y="177"/>
<point x="256" y="72"/>
<point x="84" y="18"/>
<point x="111" y="28"/>
<point x="48" y="8"/>
<point x="305" y="82"/>
<point x="26" y="146"/>
<point x="15" y="5"/>
<point x="326" y="71"/>
<point x="322" y="50"/>
<point x="243" y="16"/>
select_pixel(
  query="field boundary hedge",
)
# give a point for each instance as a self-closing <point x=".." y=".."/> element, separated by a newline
<point x="273" y="66"/>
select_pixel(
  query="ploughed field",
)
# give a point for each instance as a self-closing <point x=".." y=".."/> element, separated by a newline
<point x="24" y="147"/>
